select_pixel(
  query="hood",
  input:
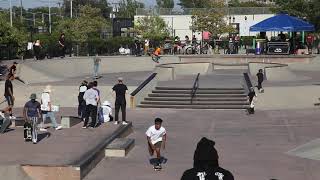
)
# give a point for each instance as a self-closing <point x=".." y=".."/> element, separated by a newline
<point x="205" y="155"/>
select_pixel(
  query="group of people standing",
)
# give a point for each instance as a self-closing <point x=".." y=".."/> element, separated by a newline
<point x="89" y="99"/>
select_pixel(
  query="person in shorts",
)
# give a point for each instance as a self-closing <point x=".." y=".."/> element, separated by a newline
<point x="31" y="113"/>
<point x="8" y="94"/>
<point x="156" y="137"/>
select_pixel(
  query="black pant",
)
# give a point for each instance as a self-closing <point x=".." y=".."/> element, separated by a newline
<point x="37" y="52"/>
<point x="121" y="105"/>
<point x="259" y="85"/>
<point x="82" y="109"/>
<point x="62" y="51"/>
<point x="251" y="110"/>
<point x="91" y="110"/>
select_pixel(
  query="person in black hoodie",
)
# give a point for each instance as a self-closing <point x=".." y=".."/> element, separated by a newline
<point x="206" y="164"/>
<point x="82" y="103"/>
<point x="260" y="80"/>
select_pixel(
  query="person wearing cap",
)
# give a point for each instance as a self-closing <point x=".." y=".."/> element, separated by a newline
<point x="107" y="111"/>
<point x="92" y="98"/>
<point x="8" y="94"/>
<point x="31" y="112"/>
<point x="82" y="103"/>
<point x="120" y="90"/>
<point x="47" y="110"/>
<point x="206" y="164"/>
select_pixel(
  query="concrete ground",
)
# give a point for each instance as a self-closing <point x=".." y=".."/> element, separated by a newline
<point x="251" y="147"/>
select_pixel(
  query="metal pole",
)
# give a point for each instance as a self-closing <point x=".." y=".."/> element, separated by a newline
<point x="10" y="13"/>
<point x="50" y="16"/>
<point x="70" y="8"/>
<point x="34" y="19"/>
<point x="21" y="7"/>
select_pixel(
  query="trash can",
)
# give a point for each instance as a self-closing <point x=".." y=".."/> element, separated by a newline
<point x="258" y="48"/>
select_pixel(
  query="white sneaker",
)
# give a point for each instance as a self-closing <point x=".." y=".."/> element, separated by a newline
<point x="2" y="114"/>
<point x="59" y="127"/>
<point x="12" y="117"/>
<point x="43" y="129"/>
<point x="116" y="122"/>
<point x="124" y="123"/>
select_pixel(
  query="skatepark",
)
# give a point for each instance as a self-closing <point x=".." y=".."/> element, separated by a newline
<point x="280" y="141"/>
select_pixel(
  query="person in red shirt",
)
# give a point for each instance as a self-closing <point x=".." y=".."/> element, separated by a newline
<point x="310" y="40"/>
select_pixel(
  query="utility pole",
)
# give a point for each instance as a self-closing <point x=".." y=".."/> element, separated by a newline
<point x="21" y="7"/>
<point x="70" y="8"/>
<point x="50" y="16"/>
<point x="10" y="12"/>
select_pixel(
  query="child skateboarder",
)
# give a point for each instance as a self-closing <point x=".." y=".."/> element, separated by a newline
<point x="156" y="136"/>
<point x="156" y="55"/>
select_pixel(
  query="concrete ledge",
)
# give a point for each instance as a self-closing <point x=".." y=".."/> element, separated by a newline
<point x="120" y="147"/>
<point x="52" y="173"/>
<point x="69" y="121"/>
<point x="18" y="122"/>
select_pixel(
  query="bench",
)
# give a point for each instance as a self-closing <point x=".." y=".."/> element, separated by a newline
<point x="120" y="147"/>
<point x="69" y="121"/>
<point x="18" y="122"/>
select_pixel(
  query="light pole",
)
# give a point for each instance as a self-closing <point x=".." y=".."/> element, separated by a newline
<point x="21" y="10"/>
<point x="50" y="16"/>
<point x="10" y="4"/>
<point x="70" y="8"/>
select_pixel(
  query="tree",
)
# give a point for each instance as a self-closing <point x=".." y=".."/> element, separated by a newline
<point x="127" y="8"/>
<point x="77" y="4"/>
<point x="193" y="3"/>
<point x="211" y="20"/>
<point x="165" y="3"/>
<point x="237" y="3"/>
<point x="152" y="27"/>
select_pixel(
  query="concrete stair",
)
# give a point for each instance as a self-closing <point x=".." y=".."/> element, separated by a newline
<point x="205" y="98"/>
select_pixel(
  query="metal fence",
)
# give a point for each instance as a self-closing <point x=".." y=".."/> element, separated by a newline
<point x="189" y="11"/>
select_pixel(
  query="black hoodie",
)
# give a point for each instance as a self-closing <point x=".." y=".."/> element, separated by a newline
<point x="206" y="165"/>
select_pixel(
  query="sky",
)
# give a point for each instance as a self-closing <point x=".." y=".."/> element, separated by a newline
<point x="36" y="3"/>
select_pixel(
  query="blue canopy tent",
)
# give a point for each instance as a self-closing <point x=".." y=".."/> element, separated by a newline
<point x="282" y="22"/>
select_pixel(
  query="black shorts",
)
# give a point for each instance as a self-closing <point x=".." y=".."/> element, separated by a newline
<point x="9" y="100"/>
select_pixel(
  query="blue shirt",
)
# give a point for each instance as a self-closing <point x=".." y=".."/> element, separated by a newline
<point x="32" y="108"/>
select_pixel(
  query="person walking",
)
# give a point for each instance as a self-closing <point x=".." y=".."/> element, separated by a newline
<point x="206" y="164"/>
<point x="31" y="113"/>
<point x="81" y="102"/>
<point x="92" y="98"/>
<point x="62" y="45"/>
<point x="37" y="48"/>
<point x="8" y="94"/>
<point x="260" y="80"/>
<point x="156" y="137"/>
<point x="96" y="64"/>
<point x="47" y="109"/>
<point x="120" y="90"/>
<point x="14" y="70"/>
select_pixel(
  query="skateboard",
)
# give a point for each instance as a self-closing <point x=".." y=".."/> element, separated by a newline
<point x="27" y="131"/>
<point x="155" y="59"/>
<point x="157" y="167"/>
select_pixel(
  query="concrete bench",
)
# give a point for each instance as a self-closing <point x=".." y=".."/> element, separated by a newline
<point x="18" y="122"/>
<point x="69" y="121"/>
<point x="120" y="147"/>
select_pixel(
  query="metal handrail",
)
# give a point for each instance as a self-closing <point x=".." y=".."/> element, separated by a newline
<point x="144" y="83"/>
<point x="195" y="87"/>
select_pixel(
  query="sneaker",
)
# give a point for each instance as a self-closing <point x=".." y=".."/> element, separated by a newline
<point x="2" y="114"/>
<point x="12" y="117"/>
<point x="59" y="127"/>
<point x="116" y="122"/>
<point x="43" y="129"/>
<point x="34" y="142"/>
<point x="124" y="123"/>
<point x="84" y="127"/>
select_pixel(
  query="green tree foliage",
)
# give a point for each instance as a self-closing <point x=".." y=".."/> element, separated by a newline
<point x="89" y="24"/>
<point x="308" y="9"/>
<point x="12" y="35"/>
<point x="211" y="19"/>
<point x="77" y="4"/>
<point x="152" y="27"/>
<point x="127" y="8"/>
<point x="165" y="3"/>
<point x="237" y="3"/>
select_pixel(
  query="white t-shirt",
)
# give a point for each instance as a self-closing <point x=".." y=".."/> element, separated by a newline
<point x="45" y="99"/>
<point x="106" y="112"/>
<point x="155" y="135"/>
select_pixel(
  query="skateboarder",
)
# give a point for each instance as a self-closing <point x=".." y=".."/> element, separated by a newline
<point x="206" y="164"/>
<point x="252" y="99"/>
<point x="260" y="80"/>
<point x="96" y="64"/>
<point x="8" y="94"/>
<point x="156" y="136"/>
<point x="31" y="113"/>
<point x="156" y="55"/>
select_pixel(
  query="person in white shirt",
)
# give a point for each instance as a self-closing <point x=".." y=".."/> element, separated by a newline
<point x="156" y="136"/>
<point x="91" y="97"/>
<point x="106" y="111"/>
<point x="47" y="109"/>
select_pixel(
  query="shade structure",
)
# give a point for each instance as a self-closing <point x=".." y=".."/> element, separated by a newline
<point x="282" y="22"/>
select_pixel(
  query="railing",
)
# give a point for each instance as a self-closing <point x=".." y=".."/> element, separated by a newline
<point x="143" y="84"/>
<point x="248" y="81"/>
<point x="195" y="87"/>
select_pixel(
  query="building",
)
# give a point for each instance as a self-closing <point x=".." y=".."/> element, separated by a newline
<point x="180" y="21"/>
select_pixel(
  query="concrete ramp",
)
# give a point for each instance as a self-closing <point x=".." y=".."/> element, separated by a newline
<point x="34" y="75"/>
<point x="13" y="172"/>
<point x="310" y="150"/>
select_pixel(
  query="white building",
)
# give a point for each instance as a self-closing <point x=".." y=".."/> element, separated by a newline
<point x="180" y="23"/>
